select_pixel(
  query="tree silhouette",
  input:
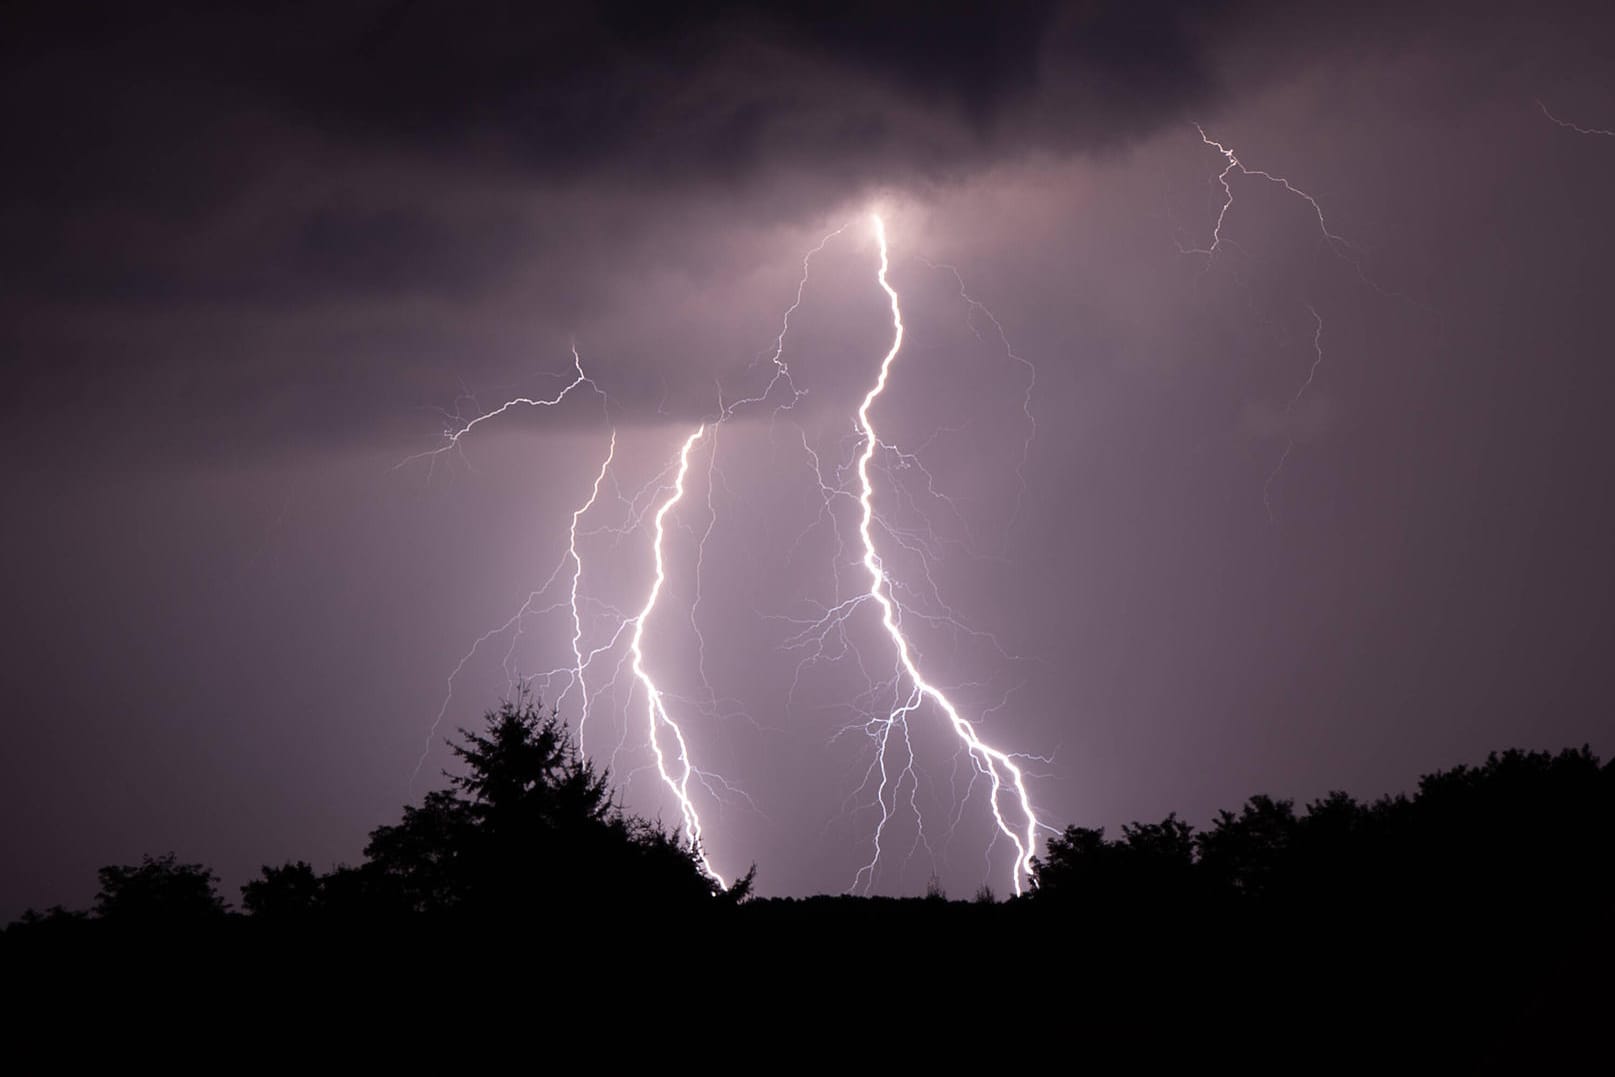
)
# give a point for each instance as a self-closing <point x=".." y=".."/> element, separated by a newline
<point x="529" y="824"/>
<point x="1245" y="852"/>
<point x="1152" y="863"/>
<point x="1073" y="866"/>
<point x="292" y="891"/>
<point x="1523" y="831"/>
<point x="419" y="864"/>
<point x="1478" y="901"/>
<point x="158" y="891"/>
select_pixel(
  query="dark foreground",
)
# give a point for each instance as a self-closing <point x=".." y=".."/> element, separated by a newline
<point x="1478" y="985"/>
<point x="1468" y="925"/>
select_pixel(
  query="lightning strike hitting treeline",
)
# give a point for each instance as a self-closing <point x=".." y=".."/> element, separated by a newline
<point x="655" y="708"/>
<point x="993" y="762"/>
<point x="852" y="482"/>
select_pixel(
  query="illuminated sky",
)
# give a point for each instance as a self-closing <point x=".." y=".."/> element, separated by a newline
<point x="251" y="264"/>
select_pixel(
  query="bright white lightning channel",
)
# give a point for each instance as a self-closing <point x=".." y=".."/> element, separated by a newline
<point x="655" y="709"/>
<point x="580" y="666"/>
<point x="997" y="765"/>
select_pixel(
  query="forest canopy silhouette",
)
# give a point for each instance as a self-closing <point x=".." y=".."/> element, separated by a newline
<point x="1480" y="901"/>
<point x="526" y="826"/>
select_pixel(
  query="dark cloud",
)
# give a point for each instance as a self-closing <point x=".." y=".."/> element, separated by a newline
<point x="695" y="91"/>
<point x="181" y="97"/>
<point x="176" y="168"/>
<point x="215" y="164"/>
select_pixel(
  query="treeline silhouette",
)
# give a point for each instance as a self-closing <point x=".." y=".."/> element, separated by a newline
<point x="1484" y="895"/>
<point x="1473" y="911"/>
<point x="1523" y="830"/>
<point x="529" y="823"/>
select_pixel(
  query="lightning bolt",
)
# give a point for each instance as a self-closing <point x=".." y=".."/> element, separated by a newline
<point x="580" y="666"/>
<point x="655" y="709"/>
<point x="782" y="370"/>
<point x="974" y="306"/>
<point x="661" y="498"/>
<point x="451" y="438"/>
<point x="1000" y="769"/>
<point x="1289" y="446"/>
<point x="1567" y="125"/>
<point x="1337" y="243"/>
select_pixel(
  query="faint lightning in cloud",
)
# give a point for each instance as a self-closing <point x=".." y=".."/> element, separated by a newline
<point x="1336" y="243"/>
<point x="1317" y="358"/>
<point x="975" y="307"/>
<point x="1289" y="408"/>
<point x="1342" y="248"/>
<point x="451" y="438"/>
<point x="782" y="370"/>
<point x="1567" y="125"/>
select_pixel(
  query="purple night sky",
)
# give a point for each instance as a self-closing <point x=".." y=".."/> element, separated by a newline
<point x="253" y="263"/>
